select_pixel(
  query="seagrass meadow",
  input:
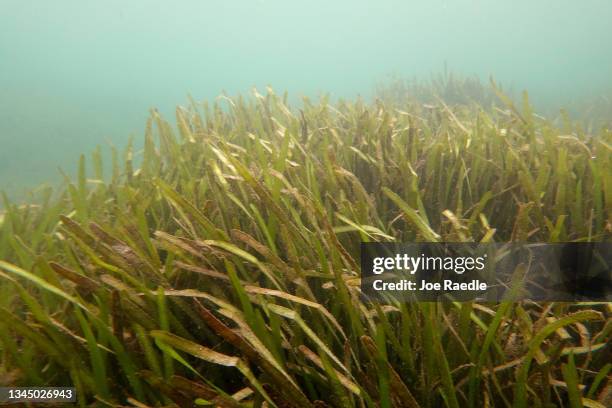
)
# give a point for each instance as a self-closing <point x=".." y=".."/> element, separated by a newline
<point x="218" y="265"/>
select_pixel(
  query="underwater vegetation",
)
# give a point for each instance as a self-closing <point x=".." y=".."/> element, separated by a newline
<point x="452" y="88"/>
<point x="219" y="265"/>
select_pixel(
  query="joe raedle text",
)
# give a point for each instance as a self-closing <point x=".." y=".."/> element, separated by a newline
<point x="423" y="271"/>
<point x="490" y="272"/>
<point x="447" y="285"/>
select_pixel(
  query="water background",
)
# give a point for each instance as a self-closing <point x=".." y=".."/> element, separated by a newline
<point x="75" y="74"/>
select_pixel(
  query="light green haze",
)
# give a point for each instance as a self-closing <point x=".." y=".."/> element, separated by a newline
<point x="78" y="73"/>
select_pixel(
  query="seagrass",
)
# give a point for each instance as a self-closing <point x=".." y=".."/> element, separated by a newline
<point x="217" y="263"/>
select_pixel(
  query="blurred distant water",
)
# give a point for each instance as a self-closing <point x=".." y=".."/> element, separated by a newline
<point x="75" y="74"/>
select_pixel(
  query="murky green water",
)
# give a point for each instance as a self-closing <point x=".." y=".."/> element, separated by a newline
<point x="76" y="74"/>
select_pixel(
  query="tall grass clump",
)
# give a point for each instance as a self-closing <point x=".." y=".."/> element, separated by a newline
<point x="453" y="89"/>
<point x="222" y="270"/>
